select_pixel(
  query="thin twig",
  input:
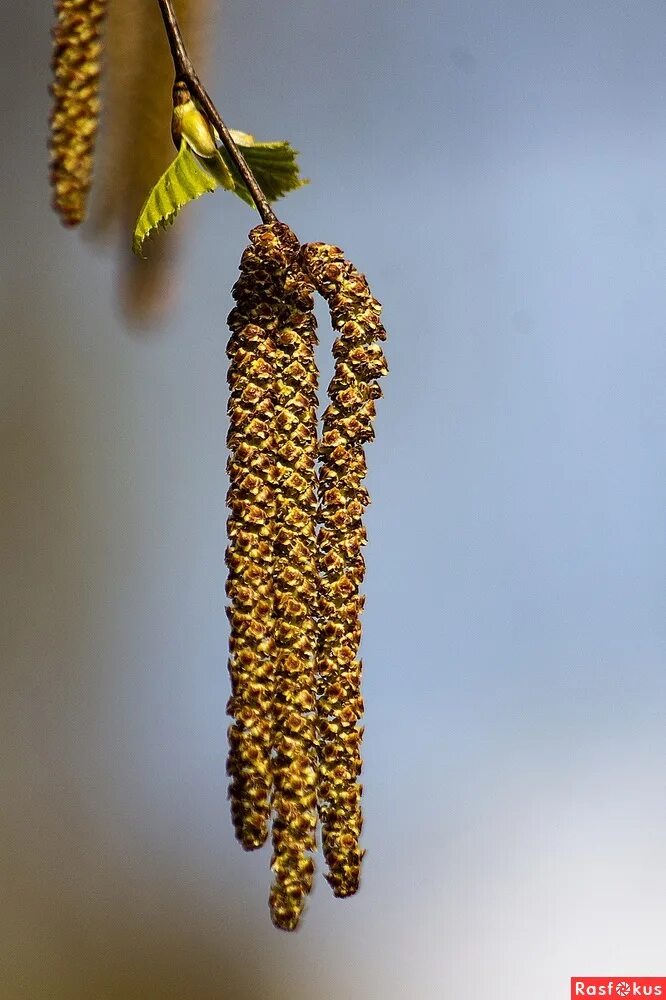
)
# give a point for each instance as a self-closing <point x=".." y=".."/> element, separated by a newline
<point x="186" y="72"/>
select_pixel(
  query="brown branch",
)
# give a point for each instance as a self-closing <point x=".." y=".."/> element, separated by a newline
<point x="186" y="72"/>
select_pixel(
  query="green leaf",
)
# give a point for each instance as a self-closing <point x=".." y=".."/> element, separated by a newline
<point x="272" y="163"/>
<point x="184" y="180"/>
<point x="190" y="176"/>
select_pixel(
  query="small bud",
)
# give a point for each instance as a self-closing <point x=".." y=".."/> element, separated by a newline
<point x="188" y="122"/>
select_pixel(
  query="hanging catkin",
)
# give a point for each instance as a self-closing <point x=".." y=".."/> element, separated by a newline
<point x="295" y="584"/>
<point x="251" y="529"/>
<point x="76" y="66"/>
<point x="359" y="362"/>
<point x="272" y="584"/>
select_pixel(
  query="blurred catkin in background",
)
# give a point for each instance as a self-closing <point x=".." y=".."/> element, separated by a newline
<point x="76" y="66"/>
<point x="131" y="56"/>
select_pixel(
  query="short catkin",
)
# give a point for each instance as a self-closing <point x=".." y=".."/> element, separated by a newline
<point x="76" y="66"/>
<point x="359" y="362"/>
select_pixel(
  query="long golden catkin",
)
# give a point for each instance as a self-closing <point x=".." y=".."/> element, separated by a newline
<point x="359" y="362"/>
<point x="251" y="529"/>
<point x="295" y="586"/>
<point x="76" y="66"/>
<point x="272" y="585"/>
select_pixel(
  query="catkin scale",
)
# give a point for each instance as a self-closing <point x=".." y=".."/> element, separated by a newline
<point x="359" y="362"/>
<point x="76" y="67"/>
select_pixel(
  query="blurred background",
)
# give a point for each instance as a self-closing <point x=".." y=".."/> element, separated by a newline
<point x="499" y="172"/>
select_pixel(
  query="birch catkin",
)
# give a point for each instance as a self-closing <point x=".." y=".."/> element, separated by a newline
<point x="359" y="362"/>
<point x="76" y="65"/>
<point x="272" y="582"/>
<point x="251" y="528"/>
<point x="295" y="587"/>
